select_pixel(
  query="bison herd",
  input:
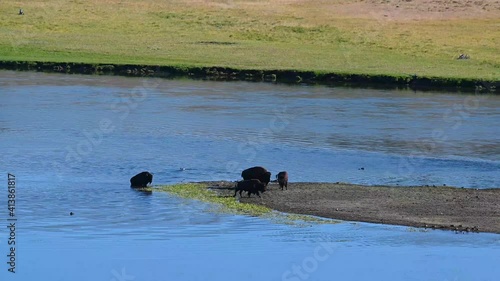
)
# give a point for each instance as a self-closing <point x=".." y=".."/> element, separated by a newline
<point x="255" y="180"/>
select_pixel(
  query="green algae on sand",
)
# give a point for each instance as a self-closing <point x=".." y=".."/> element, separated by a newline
<point x="228" y="204"/>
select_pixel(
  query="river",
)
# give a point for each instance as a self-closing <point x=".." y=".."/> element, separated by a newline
<point x="73" y="142"/>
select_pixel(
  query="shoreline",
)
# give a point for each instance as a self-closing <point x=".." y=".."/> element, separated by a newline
<point x="293" y="77"/>
<point x="445" y="208"/>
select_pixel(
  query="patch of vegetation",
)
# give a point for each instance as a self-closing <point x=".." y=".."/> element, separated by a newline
<point x="144" y="189"/>
<point x="231" y="205"/>
<point x="200" y="192"/>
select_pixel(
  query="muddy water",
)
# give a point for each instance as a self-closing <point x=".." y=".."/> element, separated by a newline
<point x="73" y="142"/>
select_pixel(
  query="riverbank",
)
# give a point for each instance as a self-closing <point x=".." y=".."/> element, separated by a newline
<point x="415" y="44"/>
<point x="447" y="208"/>
<point x="412" y="82"/>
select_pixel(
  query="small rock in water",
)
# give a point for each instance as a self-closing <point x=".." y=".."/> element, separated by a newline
<point x="71" y="213"/>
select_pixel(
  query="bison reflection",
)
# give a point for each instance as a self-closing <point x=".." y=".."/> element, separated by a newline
<point x="141" y="179"/>
<point x="282" y="178"/>
<point x="258" y="173"/>
<point x="250" y="186"/>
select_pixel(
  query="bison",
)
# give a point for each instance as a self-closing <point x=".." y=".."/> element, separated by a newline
<point x="282" y="178"/>
<point x="258" y="173"/>
<point x="250" y="186"/>
<point x="141" y="179"/>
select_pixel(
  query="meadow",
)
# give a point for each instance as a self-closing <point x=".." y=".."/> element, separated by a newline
<point x="380" y="37"/>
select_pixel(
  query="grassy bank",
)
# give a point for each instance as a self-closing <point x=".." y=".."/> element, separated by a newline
<point x="362" y="38"/>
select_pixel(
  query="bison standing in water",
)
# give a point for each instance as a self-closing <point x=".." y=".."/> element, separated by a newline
<point x="250" y="186"/>
<point x="141" y="179"/>
<point x="282" y="178"/>
<point x="259" y="173"/>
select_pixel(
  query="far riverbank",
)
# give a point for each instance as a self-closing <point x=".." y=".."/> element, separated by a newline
<point x="412" y="82"/>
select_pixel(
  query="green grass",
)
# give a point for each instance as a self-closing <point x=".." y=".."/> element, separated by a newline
<point x="231" y="205"/>
<point x="201" y="193"/>
<point x="263" y="34"/>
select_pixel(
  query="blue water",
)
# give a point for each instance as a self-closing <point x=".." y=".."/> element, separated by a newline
<point x="73" y="142"/>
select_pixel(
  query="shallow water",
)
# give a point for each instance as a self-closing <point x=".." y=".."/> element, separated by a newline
<point x="74" y="141"/>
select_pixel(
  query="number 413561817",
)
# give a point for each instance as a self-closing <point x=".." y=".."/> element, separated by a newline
<point x="12" y="194"/>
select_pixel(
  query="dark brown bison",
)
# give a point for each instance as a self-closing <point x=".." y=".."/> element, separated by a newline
<point x="250" y="186"/>
<point x="282" y="178"/>
<point x="258" y="173"/>
<point x="141" y="179"/>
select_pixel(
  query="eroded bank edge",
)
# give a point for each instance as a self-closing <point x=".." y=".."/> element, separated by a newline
<point x="411" y="82"/>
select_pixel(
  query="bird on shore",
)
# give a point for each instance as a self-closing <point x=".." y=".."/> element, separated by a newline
<point x="21" y="12"/>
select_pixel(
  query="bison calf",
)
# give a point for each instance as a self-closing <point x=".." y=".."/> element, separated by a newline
<point x="250" y="186"/>
<point x="258" y="173"/>
<point x="141" y="179"/>
<point x="282" y="179"/>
